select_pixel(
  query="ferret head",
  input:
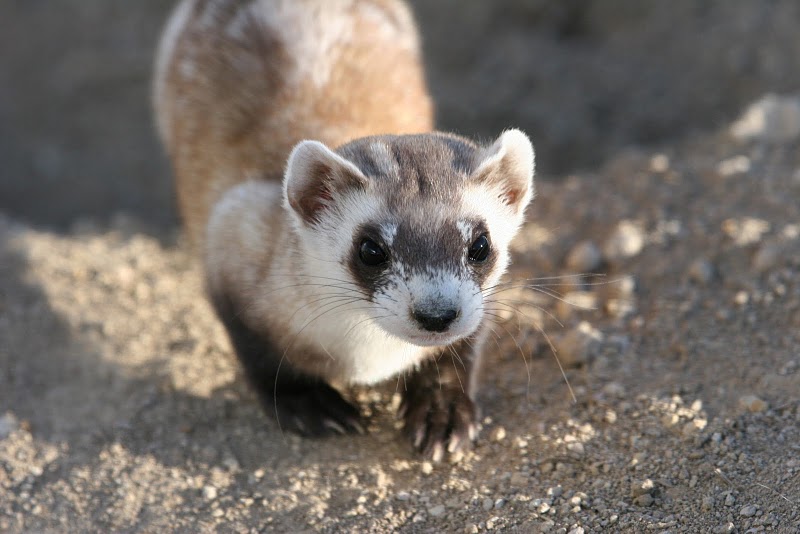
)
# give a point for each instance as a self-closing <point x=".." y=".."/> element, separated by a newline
<point x="418" y="225"/>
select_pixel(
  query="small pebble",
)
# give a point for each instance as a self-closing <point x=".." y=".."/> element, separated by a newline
<point x="789" y="368"/>
<point x="555" y="491"/>
<point x="519" y="480"/>
<point x="578" y="346"/>
<point x="659" y="163"/>
<point x="231" y="463"/>
<point x="577" y="530"/>
<point x="488" y="504"/>
<point x="576" y="301"/>
<point x="752" y="404"/>
<point x="701" y="271"/>
<point x="748" y="511"/>
<point x="437" y="510"/>
<point x="772" y="118"/>
<point x="614" y="389"/>
<point x="499" y="503"/>
<point x="472" y="528"/>
<point x="209" y="493"/>
<point x="8" y="424"/>
<point x="625" y="241"/>
<point x="584" y="257"/>
<point x="735" y="165"/>
<point x="746" y="230"/>
<point x="730" y="500"/>
<point x="768" y="255"/>
<point x="642" y="488"/>
<point x="725" y="528"/>
<point x="427" y="468"/>
<point x="499" y="434"/>
<point x="644" y="500"/>
<point x="576" y="448"/>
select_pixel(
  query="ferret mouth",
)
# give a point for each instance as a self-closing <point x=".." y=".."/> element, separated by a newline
<point x="430" y="339"/>
<point x="413" y="335"/>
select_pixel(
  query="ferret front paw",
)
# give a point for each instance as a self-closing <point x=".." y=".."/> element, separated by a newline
<point x="438" y="420"/>
<point x="317" y="410"/>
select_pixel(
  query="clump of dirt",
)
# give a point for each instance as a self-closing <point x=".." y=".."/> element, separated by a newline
<point x="667" y="280"/>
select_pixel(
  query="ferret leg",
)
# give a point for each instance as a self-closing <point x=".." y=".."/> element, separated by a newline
<point x="439" y="413"/>
<point x="299" y="402"/>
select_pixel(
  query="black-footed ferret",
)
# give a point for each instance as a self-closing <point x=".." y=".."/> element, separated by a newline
<point x="372" y="257"/>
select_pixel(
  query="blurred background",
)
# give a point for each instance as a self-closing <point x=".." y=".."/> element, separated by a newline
<point x="583" y="78"/>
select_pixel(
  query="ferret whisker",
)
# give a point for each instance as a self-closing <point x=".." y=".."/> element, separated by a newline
<point x="294" y="338"/>
<point x="340" y="283"/>
<point x="275" y="394"/>
<point x="561" y="277"/>
<point x="327" y="352"/>
<point x="549" y="342"/>
<point x="517" y="281"/>
<point x="371" y="318"/>
<point x="322" y="281"/>
<point x="533" y="304"/>
<point x="524" y="359"/>
<point x="326" y="301"/>
<point x="307" y="255"/>
<point x="516" y="284"/>
<point x="455" y="369"/>
<point x="311" y="284"/>
<point x="516" y="309"/>
<point x="519" y="312"/>
<point x="521" y="286"/>
<point x="493" y="314"/>
<point x="496" y="337"/>
<point x="499" y="319"/>
<point x="561" y="298"/>
<point x="438" y="374"/>
<point x="458" y="357"/>
<point x="558" y="361"/>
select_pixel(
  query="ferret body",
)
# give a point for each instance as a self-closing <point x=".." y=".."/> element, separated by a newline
<point x="343" y="242"/>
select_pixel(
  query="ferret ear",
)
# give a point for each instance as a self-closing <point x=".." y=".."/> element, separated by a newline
<point x="508" y="166"/>
<point x="314" y="173"/>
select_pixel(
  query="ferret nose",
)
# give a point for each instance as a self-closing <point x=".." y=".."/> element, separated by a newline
<point x="435" y="321"/>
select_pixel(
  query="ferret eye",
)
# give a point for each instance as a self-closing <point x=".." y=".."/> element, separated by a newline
<point x="371" y="253"/>
<point x="479" y="250"/>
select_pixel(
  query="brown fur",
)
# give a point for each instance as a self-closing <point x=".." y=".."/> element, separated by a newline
<point x="230" y="114"/>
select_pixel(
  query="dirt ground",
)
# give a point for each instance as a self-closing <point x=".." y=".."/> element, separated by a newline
<point x="668" y="280"/>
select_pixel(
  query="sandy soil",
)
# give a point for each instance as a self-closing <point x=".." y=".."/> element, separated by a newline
<point x="122" y="409"/>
